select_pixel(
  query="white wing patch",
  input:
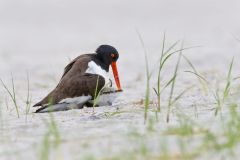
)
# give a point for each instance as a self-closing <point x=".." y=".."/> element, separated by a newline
<point x="76" y="100"/>
<point x="68" y="103"/>
<point x="93" y="68"/>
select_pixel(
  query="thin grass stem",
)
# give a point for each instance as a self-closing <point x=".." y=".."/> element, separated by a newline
<point x="12" y="95"/>
<point x="173" y="85"/>
<point x="148" y="75"/>
<point x="28" y="100"/>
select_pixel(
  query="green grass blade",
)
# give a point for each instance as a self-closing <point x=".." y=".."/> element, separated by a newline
<point x="167" y="84"/>
<point x="28" y="100"/>
<point x="148" y="76"/>
<point x="12" y="95"/>
<point x="167" y="56"/>
<point x="159" y="76"/>
<point x="164" y="60"/>
<point x="95" y="100"/>
<point x="173" y="85"/>
<point x="180" y="95"/>
<point x="170" y="48"/>
<point x="229" y="80"/>
<point x="198" y="75"/>
<point x="155" y="91"/>
<point x="201" y="79"/>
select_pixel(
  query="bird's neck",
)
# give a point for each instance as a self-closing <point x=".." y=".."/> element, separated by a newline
<point x="99" y="61"/>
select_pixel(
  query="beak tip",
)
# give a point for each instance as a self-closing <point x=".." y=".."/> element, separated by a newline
<point x="119" y="90"/>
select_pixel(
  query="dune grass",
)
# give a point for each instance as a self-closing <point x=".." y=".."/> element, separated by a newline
<point x="166" y="55"/>
<point x="229" y="138"/>
<point x="212" y="140"/>
<point x="220" y="95"/>
<point x="173" y="86"/>
<point x="28" y="99"/>
<point x="51" y="139"/>
<point x="193" y="139"/>
<point x="203" y="82"/>
<point x="12" y="94"/>
<point x="148" y="78"/>
<point x="226" y="90"/>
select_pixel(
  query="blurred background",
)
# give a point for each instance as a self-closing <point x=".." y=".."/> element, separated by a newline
<point x="40" y="37"/>
<point x="33" y="32"/>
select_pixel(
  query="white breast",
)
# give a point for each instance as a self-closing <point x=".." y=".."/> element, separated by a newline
<point x="93" y="68"/>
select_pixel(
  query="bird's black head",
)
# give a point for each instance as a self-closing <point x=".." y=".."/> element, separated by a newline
<point x="107" y="54"/>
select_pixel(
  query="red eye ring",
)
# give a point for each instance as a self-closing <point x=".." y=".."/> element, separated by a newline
<point x="112" y="55"/>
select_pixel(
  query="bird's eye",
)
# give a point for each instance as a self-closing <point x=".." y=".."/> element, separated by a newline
<point x="112" y="55"/>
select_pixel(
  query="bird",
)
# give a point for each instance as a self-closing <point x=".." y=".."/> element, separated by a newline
<point x="83" y="78"/>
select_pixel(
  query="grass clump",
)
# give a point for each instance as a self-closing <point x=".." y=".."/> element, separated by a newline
<point x="228" y="139"/>
<point x="220" y="100"/>
<point x="12" y="94"/>
<point x="201" y="79"/>
<point x="166" y="55"/>
<point x="51" y="139"/>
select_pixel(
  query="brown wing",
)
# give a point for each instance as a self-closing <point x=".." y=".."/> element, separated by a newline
<point x="74" y="86"/>
<point x="79" y="60"/>
<point x="74" y="78"/>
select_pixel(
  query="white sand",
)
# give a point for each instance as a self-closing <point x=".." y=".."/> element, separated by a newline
<point x="40" y="38"/>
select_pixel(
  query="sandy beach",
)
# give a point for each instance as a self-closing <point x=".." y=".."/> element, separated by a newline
<point x="38" y="39"/>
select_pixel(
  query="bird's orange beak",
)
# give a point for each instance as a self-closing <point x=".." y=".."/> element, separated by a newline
<point x="115" y="73"/>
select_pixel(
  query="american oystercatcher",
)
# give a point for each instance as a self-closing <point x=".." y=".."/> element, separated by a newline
<point x="83" y="78"/>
